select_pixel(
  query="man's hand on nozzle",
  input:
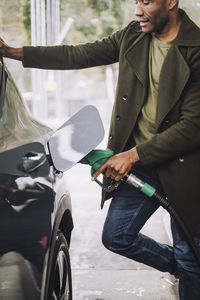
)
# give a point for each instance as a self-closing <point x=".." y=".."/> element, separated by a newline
<point x="117" y="166"/>
<point x="10" y="52"/>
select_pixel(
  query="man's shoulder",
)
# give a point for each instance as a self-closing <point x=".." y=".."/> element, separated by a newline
<point x="130" y="32"/>
<point x="189" y="34"/>
<point x="134" y="27"/>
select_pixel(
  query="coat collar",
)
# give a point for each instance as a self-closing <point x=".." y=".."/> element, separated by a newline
<point x="189" y="32"/>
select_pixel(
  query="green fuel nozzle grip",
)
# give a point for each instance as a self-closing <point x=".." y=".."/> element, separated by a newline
<point x="96" y="158"/>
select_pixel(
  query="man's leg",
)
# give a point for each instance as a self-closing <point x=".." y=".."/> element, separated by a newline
<point x="188" y="268"/>
<point x="128" y="212"/>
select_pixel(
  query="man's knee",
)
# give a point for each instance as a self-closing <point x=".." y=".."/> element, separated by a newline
<point x="117" y="241"/>
<point x="107" y="239"/>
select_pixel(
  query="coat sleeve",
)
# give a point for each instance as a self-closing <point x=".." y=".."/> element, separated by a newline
<point x="102" y="52"/>
<point x="184" y="135"/>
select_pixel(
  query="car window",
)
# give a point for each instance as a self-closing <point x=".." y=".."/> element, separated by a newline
<point x="17" y="126"/>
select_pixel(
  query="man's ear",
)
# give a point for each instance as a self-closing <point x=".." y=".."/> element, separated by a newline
<point x="173" y="4"/>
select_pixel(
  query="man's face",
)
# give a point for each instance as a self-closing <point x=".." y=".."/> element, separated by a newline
<point x="153" y="15"/>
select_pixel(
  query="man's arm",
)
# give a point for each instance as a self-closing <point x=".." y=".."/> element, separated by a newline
<point x="10" y="52"/>
<point x="68" y="57"/>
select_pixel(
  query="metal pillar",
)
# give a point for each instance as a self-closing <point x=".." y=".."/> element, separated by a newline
<point x="45" y="28"/>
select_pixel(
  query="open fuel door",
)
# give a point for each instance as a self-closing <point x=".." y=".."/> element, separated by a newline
<point x="76" y="138"/>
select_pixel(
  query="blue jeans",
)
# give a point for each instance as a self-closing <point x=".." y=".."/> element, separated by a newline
<point x="128" y="212"/>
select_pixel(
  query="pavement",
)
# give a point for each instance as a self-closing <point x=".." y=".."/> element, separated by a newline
<point x="99" y="274"/>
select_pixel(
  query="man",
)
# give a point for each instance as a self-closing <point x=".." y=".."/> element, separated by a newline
<point x="155" y="128"/>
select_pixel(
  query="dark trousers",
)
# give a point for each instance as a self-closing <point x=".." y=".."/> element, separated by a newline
<point x="128" y="212"/>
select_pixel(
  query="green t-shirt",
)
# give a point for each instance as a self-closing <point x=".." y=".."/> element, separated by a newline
<point x="146" y="123"/>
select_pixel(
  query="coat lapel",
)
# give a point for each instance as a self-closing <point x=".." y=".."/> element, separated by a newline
<point x="173" y="78"/>
<point x="138" y="56"/>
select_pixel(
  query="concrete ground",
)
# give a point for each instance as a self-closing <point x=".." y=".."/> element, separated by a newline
<point x="99" y="274"/>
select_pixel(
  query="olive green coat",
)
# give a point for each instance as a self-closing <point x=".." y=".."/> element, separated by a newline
<point x="175" y="149"/>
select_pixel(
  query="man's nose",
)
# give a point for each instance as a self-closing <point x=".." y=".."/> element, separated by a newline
<point x="138" y="9"/>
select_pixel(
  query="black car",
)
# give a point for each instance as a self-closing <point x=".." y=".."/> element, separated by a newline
<point x="35" y="206"/>
<point x="35" y="212"/>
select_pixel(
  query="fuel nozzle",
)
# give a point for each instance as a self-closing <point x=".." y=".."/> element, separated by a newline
<point x="96" y="158"/>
